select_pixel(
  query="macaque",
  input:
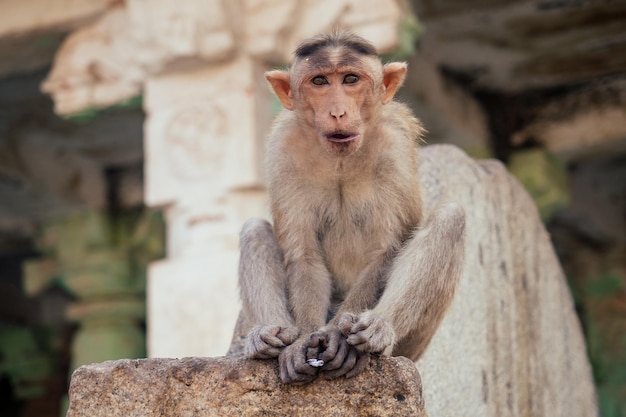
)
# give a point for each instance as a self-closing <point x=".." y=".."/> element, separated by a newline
<point x="352" y="266"/>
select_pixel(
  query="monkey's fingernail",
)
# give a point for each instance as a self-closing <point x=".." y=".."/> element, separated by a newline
<point x="315" y="362"/>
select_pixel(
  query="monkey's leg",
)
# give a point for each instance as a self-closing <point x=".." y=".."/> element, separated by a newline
<point x="420" y="288"/>
<point x="265" y="317"/>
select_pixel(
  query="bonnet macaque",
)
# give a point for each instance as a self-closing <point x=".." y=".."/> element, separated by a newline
<point x="352" y="266"/>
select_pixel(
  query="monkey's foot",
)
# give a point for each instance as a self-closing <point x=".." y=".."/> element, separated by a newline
<point x="265" y="342"/>
<point x="367" y="332"/>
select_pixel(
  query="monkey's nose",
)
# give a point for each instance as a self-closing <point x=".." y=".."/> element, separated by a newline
<point x="337" y="114"/>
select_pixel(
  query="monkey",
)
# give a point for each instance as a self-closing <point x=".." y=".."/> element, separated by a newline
<point x="352" y="266"/>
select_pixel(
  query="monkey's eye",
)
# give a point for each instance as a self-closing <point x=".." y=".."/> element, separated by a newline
<point x="350" y="79"/>
<point x="319" y="80"/>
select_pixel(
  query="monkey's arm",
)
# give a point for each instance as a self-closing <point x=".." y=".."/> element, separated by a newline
<point x="262" y="281"/>
<point x="309" y="287"/>
<point x="420" y="288"/>
<point x="340" y="358"/>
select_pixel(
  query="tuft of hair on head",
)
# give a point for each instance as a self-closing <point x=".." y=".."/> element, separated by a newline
<point x="335" y="39"/>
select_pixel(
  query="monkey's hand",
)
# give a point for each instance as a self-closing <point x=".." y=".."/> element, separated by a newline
<point x="292" y="361"/>
<point x="367" y="332"/>
<point x="265" y="342"/>
<point x="340" y="358"/>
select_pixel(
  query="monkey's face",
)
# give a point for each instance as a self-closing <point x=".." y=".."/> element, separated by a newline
<point x="336" y="93"/>
<point x="333" y="92"/>
<point x="337" y="105"/>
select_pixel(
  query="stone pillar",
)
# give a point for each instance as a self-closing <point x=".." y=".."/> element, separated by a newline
<point x="203" y="143"/>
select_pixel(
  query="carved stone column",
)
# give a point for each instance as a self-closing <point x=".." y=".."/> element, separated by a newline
<point x="203" y="145"/>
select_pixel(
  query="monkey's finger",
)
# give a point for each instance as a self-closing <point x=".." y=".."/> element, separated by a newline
<point x="366" y="346"/>
<point x="334" y="344"/>
<point x="312" y="353"/>
<point x="346" y="322"/>
<point x="357" y="339"/>
<point x="288" y="374"/>
<point x="296" y="373"/>
<point x="359" y="326"/>
<point x="316" y="340"/>
<point x="360" y="365"/>
<point x="257" y="349"/>
<point x="334" y="360"/>
<point x="272" y="341"/>
<point x="288" y="334"/>
<point x="346" y="366"/>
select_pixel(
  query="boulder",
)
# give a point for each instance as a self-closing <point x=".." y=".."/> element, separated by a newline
<point x="232" y="386"/>
<point x="511" y="343"/>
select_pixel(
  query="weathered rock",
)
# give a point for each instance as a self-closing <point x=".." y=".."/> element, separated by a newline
<point x="511" y="344"/>
<point x="239" y="387"/>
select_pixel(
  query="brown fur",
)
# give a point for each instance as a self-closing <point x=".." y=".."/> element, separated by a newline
<point x="352" y="267"/>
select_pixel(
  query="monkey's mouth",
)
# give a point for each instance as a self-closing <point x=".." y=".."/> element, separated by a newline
<point x="341" y="137"/>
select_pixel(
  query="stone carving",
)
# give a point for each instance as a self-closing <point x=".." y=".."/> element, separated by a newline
<point x="197" y="136"/>
<point x="110" y="60"/>
<point x="204" y="132"/>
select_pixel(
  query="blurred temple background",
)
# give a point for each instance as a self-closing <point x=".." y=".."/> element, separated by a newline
<point x="131" y="142"/>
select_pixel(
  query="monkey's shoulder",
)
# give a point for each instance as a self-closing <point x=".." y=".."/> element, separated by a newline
<point x="401" y="122"/>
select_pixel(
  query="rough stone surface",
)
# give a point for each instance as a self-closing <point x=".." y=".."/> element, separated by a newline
<point x="511" y="344"/>
<point x="239" y="387"/>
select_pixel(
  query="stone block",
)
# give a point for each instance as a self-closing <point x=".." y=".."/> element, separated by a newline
<point x="200" y="226"/>
<point x="204" y="132"/>
<point x="239" y="387"/>
<point x="192" y="305"/>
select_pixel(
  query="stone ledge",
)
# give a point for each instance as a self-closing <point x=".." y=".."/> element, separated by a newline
<point x="231" y="386"/>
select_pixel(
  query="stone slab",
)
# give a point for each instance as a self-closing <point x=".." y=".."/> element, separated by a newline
<point x="239" y="387"/>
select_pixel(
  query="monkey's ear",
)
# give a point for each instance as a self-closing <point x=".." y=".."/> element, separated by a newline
<point x="280" y="82"/>
<point x="393" y="76"/>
